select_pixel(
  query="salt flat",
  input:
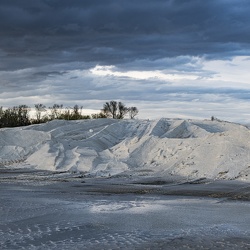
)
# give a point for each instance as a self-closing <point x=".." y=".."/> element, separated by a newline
<point x="70" y="212"/>
<point x="131" y="184"/>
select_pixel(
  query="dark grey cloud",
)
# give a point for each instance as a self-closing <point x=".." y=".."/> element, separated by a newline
<point x="116" y="32"/>
<point x="47" y="48"/>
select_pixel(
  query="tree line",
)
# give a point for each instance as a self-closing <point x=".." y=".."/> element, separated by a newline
<point x="20" y="115"/>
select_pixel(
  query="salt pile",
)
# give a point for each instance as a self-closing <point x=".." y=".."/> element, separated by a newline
<point x="107" y="147"/>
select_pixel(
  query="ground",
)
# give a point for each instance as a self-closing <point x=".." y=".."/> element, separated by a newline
<point x="53" y="210"/>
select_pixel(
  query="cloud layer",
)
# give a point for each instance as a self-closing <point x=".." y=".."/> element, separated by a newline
<point x="149" y="53"/>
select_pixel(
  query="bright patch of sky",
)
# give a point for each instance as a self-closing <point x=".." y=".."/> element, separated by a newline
<point x="140" y="75"/>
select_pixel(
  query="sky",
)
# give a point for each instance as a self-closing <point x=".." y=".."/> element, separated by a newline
<point x="169" y="58"/>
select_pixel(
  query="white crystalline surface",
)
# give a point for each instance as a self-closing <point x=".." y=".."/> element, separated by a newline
<point x="106" y="147"/>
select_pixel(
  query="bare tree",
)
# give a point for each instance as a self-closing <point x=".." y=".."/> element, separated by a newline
<point x="115" y="110"/>
<point x="56" y="111"/>
<point x="1" y="112"/>
<point x="122" y="110"/>
<point x="133" y="111"/>
<point x="77" y="112"/>
<point x="23" y="115"/>
<point x="110" y="109"/>
<point x="39" y="109"/>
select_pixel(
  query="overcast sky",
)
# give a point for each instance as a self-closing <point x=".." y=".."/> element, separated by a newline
<point x="169" y="58"/>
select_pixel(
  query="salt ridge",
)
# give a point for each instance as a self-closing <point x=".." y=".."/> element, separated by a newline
<point x="107" y="147"/>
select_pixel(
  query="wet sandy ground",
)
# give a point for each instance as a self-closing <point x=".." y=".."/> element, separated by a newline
<point x="45" y="210"/>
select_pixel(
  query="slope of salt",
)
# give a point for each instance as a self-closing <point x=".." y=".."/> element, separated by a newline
<point x="184" y="129"/>
<point x="16" y="144"/>
<point x="165" y="147"/>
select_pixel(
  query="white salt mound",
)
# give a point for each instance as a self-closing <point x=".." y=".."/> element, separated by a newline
<point x="104" y="147"/>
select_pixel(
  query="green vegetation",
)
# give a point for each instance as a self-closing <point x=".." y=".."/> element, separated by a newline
<point x="16" y="116"/>
<point x="20" y="115"/>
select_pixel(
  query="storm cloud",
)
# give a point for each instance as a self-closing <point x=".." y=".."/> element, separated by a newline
<point x="115" y="32"/>
<point x="48" y="49"/>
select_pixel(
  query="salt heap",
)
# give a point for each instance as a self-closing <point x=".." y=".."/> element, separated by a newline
<point x="107" y="147"/>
